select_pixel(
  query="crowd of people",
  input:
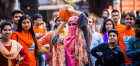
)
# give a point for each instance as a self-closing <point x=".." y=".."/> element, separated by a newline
<point x="116" y="44"/>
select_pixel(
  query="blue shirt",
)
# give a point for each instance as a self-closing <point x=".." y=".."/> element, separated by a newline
<point x="13" y="29"/>
<point x="96" y="40"/>
<point x="133" y="50"/>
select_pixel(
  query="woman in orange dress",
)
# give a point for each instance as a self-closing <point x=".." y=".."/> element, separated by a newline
<point x="26" y="37"/>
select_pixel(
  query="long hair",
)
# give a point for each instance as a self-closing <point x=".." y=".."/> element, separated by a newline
<point x="19" y="29"/>
<point x="48" y="27"/>
<point x="3" y="24"/>
<point x="104" y="29"/>
<point x="55" y="26"/>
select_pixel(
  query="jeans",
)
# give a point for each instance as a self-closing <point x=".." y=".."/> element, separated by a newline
<point x="41" y="59"/>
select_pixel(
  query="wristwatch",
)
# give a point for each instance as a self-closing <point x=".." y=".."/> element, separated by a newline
<point x="17" y="61"/>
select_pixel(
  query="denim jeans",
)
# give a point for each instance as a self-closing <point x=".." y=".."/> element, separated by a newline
<point x="41" y="59"/>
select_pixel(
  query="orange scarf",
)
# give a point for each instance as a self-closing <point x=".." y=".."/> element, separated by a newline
<point x="21" y="35"/>
<point x="15" y="49"/>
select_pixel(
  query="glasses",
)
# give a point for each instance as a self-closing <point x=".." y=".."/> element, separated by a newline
<point x="73" y="24"/>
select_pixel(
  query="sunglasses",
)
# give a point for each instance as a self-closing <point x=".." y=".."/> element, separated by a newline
<point x="73" y="24"/>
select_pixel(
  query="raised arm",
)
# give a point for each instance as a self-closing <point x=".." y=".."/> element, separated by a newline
<point x="58" y="30"/>
<point x="78" y="13"/>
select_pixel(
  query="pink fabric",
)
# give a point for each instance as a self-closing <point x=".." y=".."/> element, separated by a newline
<point x="72" y="29"/>
<point x="70" y="40"/>
<point x="93" y="28"/>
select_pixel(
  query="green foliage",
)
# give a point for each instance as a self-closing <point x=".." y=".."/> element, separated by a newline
<point x="72" y="4"/>
<point x="6" y="7"/>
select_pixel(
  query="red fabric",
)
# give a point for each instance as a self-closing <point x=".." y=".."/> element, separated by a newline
<point x="4" y="61"/>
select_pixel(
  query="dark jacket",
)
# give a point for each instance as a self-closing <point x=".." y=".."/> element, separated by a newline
<point x="112" y="57"/>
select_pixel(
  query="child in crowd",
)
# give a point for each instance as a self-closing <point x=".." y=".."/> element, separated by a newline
<point x="26" y="37"/>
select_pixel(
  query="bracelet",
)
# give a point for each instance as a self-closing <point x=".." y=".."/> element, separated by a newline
<point x="17" y="61"/>
<point x="44" y="50"/>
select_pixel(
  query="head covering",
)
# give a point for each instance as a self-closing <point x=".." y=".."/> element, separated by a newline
<point x="55" y="27"/>
<point x="72" y="29"/>
<point x="70" y="40"/>
<point x="74" y="43"/>
<point x="56" y="18"/>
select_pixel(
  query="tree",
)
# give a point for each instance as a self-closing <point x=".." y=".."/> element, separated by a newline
<point x="97" y="6"/>
<point x="6" y="7"/>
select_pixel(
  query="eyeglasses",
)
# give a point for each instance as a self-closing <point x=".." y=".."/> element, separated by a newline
<point x="73" y="24"/>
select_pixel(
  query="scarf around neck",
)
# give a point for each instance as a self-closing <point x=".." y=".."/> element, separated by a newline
<point x="15" y="49"/>
<point x="21" y="35"/>
<point x="105" y="37"/>
<point x="74" y="44"/>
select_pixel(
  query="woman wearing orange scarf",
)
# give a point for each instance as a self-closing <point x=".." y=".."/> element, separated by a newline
<point x="9" y="49"/>
<point x="26" y="37"/>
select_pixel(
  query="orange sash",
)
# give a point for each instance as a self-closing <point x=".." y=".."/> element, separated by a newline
<point x="27" y="40"/>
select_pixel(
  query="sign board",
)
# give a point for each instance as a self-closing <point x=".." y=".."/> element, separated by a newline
<point x="47" y="2"/>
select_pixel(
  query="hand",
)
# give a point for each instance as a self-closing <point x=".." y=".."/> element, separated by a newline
<point x="38" y="36"/>
<point x="102" y="60"/>
<point x="49" y="53"/>
<point x="44" y="25"/>
<point x="64" y="22"/>
<point x="69" y="8"/>
<point x="40" y="49"/>
<point x="17" y="61"/>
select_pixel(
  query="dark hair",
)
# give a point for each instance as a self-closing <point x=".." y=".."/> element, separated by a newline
<point x="36" y="16"/>
<point x="55" y="26"/>
<point x="90" y="18"/>
<point x="56" y="18"/>
<point x="19" y="29"/>
<point x="137" y="12"/>
<point x="107" y="11"/>
<point x="3" y="24"/>
<point x="123" y="14"/>
<point x="49" y="26"/>
<point x="86" y="14"/>
<point x="130" y="14"/>
<point x="113" y="30"/>
<point x="114" y="10"/>
<point x="104" y="29"/>
<point x="16" y="11"/>
<point x="11" y="21"/>
<point x="137" y="21"/>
